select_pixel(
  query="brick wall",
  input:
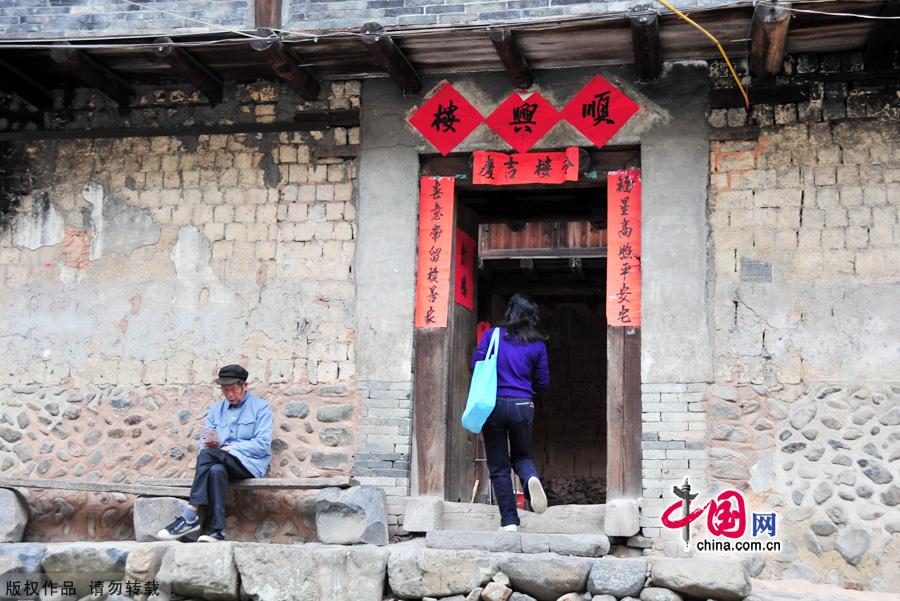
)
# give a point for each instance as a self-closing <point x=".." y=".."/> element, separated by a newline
<point x="75" y="18"/>
<point x="804" y="416"/>
<point x="133" y="268"/>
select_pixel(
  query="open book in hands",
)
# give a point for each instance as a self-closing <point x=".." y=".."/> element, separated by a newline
<point x="209" y="434"/>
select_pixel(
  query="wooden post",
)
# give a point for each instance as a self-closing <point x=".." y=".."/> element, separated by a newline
<point x="286" y="66"/>
<point x="645" y="40"/>
<point x="90" y="71"/>
<point x="623" y="415"/>
<point x="768" y="38"/>
<point x="190" y="68"/>
<point x="431" y="386"/>
<point x="389" y="57"/>
<point x="512" y="58"/>
<point x="268" y="13"/>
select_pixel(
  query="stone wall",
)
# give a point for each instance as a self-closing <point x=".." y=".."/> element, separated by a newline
<point x="133" y="268"/>
<point x="804" y="416"/>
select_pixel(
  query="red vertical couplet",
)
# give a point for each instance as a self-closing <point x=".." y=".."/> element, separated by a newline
<point x="623" y="263"/>
<point x="435" y="251"/>
<point x="465" y="270"/>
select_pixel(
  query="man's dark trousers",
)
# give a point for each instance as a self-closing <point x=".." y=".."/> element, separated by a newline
<point x="215" y="470"/>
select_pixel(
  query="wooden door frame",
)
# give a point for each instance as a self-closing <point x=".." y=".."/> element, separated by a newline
<point x="433" y="361"/>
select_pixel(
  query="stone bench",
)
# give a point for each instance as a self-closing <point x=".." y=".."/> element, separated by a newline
<point x="355" y="515"/>
<point x="158" y="498"/>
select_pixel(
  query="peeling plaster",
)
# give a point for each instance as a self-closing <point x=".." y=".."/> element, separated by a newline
<point x="197" y="283"/>
<point x="42" y="226"/>
<point x="118" y="228"/>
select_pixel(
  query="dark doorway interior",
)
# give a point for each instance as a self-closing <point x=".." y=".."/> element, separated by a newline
<point x="551" y="245"/>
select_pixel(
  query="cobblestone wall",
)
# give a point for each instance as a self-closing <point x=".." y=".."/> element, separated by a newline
<point x="805" y="415"/>
<point x="135" y="267"/>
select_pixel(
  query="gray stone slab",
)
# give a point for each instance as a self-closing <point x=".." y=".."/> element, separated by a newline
<point x="581" y="545"/>
<point x="509" y="542"/>
<point x="414" y="573"/>
<point x="559" y="519"/>
<point x="547" y="576"/>
<point x="423" y="514"/>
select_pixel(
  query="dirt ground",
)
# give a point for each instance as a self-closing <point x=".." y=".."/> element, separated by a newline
<point x="801" y="590"/>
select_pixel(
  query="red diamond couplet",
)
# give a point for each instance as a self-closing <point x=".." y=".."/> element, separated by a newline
<point x="523" y="119"/>
<point x="446" y="119"/>
<point x="599" y="110"/>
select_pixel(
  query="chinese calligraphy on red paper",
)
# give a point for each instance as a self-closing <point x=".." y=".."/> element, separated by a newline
<point x="501" y="169"/>
<point x="435" y="251"/>
<point x="623" y="263"/>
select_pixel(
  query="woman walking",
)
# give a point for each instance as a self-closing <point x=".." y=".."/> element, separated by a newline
<point x="521" y="370"/>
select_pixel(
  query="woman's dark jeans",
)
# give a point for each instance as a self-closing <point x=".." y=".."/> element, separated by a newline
<point x="512" y="421"/>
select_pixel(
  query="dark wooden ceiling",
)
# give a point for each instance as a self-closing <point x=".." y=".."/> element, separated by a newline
<point x="438" y="50"/>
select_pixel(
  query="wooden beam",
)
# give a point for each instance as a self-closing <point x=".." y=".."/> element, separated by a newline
<point x="262" y="483"/>
<point x="884" y="39"/>
<point x="768" y="38"/>
<point x="190" y="68"/>
<point x="389" y="57"/>
<point x="20" y="83"/>
<point x="268" y="13"/>
<point x="90" y="71"/>
<point x="288" y="68"/>
<point x="511" y="56"/>
<point x="645" y="40"/>
<point x="303" y="121"/>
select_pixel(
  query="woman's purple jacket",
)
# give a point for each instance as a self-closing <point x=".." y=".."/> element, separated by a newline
<point x="518" y="363"/>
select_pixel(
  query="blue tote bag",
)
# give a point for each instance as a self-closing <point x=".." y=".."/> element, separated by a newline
<point x="483" y="389"/>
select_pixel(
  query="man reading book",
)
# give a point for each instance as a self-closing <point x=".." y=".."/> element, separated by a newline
<point x="237" y="440"/>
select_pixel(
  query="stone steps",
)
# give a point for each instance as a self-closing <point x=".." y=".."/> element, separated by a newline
<point x="580" y="545"/>
<point x="425" y="514"/>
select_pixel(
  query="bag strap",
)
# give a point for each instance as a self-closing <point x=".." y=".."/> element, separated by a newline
<point x="494" y="346"/>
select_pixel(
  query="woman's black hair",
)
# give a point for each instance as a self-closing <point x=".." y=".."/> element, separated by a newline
<point x="522" y="319"/>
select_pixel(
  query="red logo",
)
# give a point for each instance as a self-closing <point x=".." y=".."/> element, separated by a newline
<point x="727" y="514"/>
<point x="523" y="119"/>
<point x="599" y="110"/>
<point x="446" y="119"/>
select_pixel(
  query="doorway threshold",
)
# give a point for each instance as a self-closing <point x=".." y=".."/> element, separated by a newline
<point x="425" y="514"/>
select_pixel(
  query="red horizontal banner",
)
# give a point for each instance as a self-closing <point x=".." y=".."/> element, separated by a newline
<point x="501" y="169"/>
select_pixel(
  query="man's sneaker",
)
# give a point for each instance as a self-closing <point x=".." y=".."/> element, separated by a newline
<point x="537" y="495"/>
<point x="180" y="527"/>
<point x="213" y="536"/>
<point x="509" y="528"/>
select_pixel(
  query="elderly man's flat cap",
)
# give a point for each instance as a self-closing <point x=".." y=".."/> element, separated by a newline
<point x="232" y="374"/>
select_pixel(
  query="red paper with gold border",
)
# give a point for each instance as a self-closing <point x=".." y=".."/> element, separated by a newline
<point x="623" y="263"/>
<point x="436" y="195"/>
<point x="446" y="118"/>
<point x="465" y="270"/>
<point x="502" y="169"/>
<point x="599" y="110"/>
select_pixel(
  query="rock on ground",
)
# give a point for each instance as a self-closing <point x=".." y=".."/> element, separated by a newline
<point x="618" y="577"/>
<point x="355" y="515"/>
<point x="706" y="578"/>
<point x="18" y="563"/>
<point x="652" y="593"/>
<point x="152" y="514"/>
<point x="13" y="516"/>
<point x="286" y="573"/>
<point x="547" y="576"/>
<point x="84" y="562"/>
<point x="416" y="572"/>
<point x="200" y="570"/>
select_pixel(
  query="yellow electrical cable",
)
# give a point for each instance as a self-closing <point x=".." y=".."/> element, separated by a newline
<point x="718" y="45"/>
